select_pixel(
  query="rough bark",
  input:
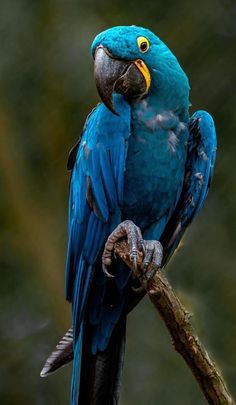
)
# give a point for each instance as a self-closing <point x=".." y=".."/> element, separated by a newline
<point x="185" y="340"/>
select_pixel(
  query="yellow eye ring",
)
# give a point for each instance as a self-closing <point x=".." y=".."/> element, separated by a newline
<point x="143" y="44"/>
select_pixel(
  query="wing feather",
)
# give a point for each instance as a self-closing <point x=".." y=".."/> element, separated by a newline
<point x="94" y="203"/>
<point x="198" y="175"/>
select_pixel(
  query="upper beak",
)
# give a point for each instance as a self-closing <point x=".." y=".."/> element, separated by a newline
<point x="125" y="77"/>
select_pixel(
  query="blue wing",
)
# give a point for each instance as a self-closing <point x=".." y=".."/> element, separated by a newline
<point x="96" y="194"/>
<point x="96" y="189"/>
<point x="201" y="156"/>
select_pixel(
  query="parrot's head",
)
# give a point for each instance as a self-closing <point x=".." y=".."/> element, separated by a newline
<point x="133" y="61"/>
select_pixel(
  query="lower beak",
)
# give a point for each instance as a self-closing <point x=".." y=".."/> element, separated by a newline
<point x="124" y="77"/>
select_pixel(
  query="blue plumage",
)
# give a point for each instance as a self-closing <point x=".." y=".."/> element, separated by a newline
<point x="150" y="164"/>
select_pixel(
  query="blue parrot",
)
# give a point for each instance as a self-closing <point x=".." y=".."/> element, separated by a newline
<point x="141" y="169"/>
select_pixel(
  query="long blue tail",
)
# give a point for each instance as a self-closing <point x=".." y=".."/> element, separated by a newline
<point x="96" y="379"/>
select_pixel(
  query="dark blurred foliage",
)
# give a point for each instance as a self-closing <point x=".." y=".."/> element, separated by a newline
<point x="47" y="89"/>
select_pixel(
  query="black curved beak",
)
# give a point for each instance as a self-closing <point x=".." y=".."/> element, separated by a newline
<point x="117" y="75"/>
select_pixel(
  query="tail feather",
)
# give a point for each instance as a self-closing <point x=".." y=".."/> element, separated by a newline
<point x="100" y="379"/>
<point x="96" y="379"/>
<point x="61" y="356"/>
<point x="76" y="373"/>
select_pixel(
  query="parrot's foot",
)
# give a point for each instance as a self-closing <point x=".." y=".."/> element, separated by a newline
<point x="151" y="249"/>
<point x="135" y="241"/>
<point x="152" y="259"/>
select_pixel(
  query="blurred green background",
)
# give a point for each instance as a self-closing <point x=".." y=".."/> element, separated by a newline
<point x="47" y="89"/>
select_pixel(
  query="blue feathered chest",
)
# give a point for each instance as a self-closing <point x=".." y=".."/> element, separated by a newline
<point x="155" y="165"/>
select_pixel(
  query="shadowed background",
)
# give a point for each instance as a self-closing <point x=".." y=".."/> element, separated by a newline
<point x="47" y="89"/>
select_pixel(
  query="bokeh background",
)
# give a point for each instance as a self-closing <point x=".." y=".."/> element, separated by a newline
<point x="47" y="89"/>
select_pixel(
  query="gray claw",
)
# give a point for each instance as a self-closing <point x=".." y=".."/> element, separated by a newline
<point x="145" y="266"/>
<point x="152" y="259"/>
<point x="143" y="247"/>
<point x="148" y="275"/>
<point x="138" y="289"/>
<point x="106" y="272"/>
<point x="134" y="258"/>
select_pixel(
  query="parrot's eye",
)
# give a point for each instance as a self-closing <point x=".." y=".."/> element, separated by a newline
<point x="143" y="44"/>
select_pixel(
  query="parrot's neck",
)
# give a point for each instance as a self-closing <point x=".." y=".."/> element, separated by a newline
<point x="168" y="98"/>
<point x="169" y="89"/>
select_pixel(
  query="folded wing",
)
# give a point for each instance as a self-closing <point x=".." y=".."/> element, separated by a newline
<point x="202" y="146"/>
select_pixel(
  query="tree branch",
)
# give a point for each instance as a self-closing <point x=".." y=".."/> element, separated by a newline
<point x="185" y="341"/>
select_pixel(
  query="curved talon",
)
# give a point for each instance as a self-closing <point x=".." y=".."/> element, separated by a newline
<point x="106" y="272"/>
<point x="145" y="266"/>
<point x="143" y="247"/>
<point x="134" y="258"/>
<point x="138" y="289"/>
<point x="152" y="259"/>
<point x="150" y="274"/>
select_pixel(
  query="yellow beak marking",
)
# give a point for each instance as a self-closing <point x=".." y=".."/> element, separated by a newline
<point x="145" y="72"/>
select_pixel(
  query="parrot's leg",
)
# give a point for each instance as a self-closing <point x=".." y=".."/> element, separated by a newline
<point x="151" y="249"/>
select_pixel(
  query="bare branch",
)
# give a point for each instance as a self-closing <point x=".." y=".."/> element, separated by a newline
<point x="185" y="340"/>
